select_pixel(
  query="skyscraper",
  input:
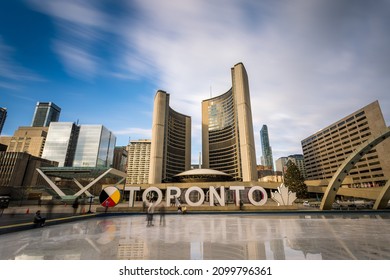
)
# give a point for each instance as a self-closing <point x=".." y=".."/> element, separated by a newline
<point x="61" y="143"/>
<point x="227" y="132"/>
<point x="79" y="146"/>
<point x="138" y="163"/>
<point x="171" y="141"/>
<point x="3" y="116"/>
<point x="266" y="158"/>
<point x="45" y="113"/>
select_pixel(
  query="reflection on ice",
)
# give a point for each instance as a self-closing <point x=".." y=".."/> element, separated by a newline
<point x="235" y="237"/>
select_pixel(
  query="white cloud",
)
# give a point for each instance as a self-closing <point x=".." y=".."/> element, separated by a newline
<point x="11" y="72"/>
<point x="309" y="63"/>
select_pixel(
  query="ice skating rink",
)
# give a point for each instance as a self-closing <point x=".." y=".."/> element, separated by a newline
<point x="207" y="237"/>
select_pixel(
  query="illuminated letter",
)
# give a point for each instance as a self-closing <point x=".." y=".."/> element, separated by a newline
<point x="187" y="196"/>
<point x="148" y="190"/>
<point x="131" y="197"/>
<point x="169" y="195"/>
<point x="237" y="193"/>
<point x="264" y="198"/>
<point x="220" y="198"/>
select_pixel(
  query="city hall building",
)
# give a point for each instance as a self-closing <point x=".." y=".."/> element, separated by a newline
<point x="228" y="143"/>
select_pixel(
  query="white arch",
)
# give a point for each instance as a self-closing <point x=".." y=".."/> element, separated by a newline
<point x="347" y="165"/>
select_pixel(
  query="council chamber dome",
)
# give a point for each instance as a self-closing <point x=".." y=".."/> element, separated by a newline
<point x="202" y="175"/>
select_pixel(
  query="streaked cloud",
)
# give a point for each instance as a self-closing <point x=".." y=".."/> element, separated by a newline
<point x="309" y="63"/>
<point x="11" y="72"/>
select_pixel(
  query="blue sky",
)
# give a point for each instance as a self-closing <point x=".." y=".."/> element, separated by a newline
<point x="309" y="63"/>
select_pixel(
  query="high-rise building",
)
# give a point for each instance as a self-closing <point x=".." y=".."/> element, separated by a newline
<point x="79" y="146"/>
<point x="227" y="132"/>
<point x="61" y="143"/>
<point x="95" y="147"/>
<point x="120" y="158"/>
<point x="171" y="141"/>
<point x="3" y="116"/>
<point x="326" y="150"/>
<point x="45" y="113"/>
<point x="298" y="160"/>
<point x="28" y="139"/>
<point x="266" y="158"/>
<point x="138" y="162"/>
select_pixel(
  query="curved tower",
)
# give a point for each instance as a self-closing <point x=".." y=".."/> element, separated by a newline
<point x="227" y="131"/>
<point x="171" y="141"/>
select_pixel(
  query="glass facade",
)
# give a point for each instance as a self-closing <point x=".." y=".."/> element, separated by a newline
<point x="223" y="142"/>
<point x="176" y="144"/>
<point x="266" y="159"/>
<point x="95" y="147"/>
<point x="227" y="131"/>
<point x="60" y="143"/>
<point x="79" y="146"/>
<point x="45" y="113"/>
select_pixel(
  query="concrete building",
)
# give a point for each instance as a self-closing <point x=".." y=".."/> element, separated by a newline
<point x="79" y="145"/>
<point x="138" y="163"/>
<point x="170" y="152"/>
<point x="28" y="139"/>
<point x="19" y="169"/>
<point x="45" y="113"/>
<point x="325" y="150"/>
<point x="298" y="160"/>
<point x="266" y="158"/>
<point x="3" y="116"/>
<point x="227" y="132"/>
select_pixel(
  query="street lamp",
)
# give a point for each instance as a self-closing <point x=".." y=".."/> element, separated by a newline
<point x="90" y="203"/>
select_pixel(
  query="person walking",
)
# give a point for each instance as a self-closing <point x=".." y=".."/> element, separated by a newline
<point x="162" y="215"/>
<point x="150" y="214"/>
<point x="75" y="205"/>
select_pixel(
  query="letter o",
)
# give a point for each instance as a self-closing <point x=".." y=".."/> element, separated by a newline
<point x="157" y="190"/>
<point x="262" y="191"/>
<point x="187" y="196"/>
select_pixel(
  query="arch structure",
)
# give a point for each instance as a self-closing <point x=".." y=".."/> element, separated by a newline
<point x="347" y="165"/>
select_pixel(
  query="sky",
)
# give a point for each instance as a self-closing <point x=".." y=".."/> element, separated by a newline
<point x="309" y="63"/>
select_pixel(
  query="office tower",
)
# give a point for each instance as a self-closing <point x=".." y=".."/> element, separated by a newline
<point x="298" y="160"/>
<point x="326" y="150"/>
<point x="227" y="132"/>
<point x="3" y="116"/>
<point x="120" y="158"/>
<point x="79" y="146"/>
<point x="95" y="147"/>
<point x="45" y="113"/>
<point x="138" y="163"/>
<point x="28" y="139"/>
<point x="266" y="158"/>
<point x="171" y="141"/>
<point x="61" y="143"/>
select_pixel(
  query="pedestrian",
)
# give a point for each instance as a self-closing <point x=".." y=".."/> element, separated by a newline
<point x="150" y="214"/>
<point x="49" y="206"/>
<point x="241" y="205"/>
<point x="162" y="215"/>
<point x="75" y="205"/>
<point x="38" y="219"/>
<point x="107" y="203"/>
